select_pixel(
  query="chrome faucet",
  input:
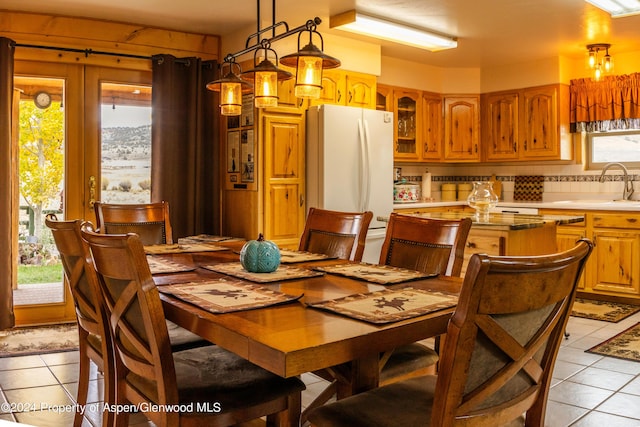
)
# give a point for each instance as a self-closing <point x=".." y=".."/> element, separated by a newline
<point x="628" y="185"/>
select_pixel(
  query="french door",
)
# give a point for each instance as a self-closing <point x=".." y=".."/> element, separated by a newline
<point x="100" y="121"/>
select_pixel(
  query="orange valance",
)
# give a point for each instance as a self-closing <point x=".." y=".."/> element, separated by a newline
<point x="615" y="100"/>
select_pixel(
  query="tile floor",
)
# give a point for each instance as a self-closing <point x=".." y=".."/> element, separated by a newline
<point x="588" y="390"/>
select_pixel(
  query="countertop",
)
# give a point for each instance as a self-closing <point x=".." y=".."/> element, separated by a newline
<point x="506" y="221"/>
<point x="594" y="204"/>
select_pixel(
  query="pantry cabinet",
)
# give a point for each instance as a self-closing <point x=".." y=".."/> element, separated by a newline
<point x="462" y="128"/>
<point x="264" y="179"/>
<point x="527" y="124"/>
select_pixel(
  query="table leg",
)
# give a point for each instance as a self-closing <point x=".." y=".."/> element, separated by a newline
<point x="363" y="375"/>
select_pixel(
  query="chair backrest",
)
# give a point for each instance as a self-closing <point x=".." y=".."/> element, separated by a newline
<point x="339" y="234"/>
<point x="149" y="220"/>
<point x="425" y="244"/>
<point x="80" y="274"/>
<point x="144" y="364"/>
<point x="503" y="339"/>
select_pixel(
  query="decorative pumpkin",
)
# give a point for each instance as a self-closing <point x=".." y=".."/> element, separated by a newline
<point x="260" y="256"/>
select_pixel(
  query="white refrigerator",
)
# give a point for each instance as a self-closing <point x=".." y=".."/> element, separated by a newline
<point x="349" y="165"/>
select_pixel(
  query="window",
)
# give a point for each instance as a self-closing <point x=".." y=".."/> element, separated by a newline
<point x="613" y="146"/>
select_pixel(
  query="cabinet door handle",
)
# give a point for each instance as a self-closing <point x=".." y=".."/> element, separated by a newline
<point x="339" y="96"/>
<point x="301" y="200"/>
<point x="471" y="245"/>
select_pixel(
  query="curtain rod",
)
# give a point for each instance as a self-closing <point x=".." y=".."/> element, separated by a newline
<point x="88" y="52"/>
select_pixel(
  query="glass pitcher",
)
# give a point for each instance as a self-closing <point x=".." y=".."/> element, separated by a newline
<point x="482" y="199"/>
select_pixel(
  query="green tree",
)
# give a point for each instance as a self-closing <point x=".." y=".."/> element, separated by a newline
<point x="41" y="156"/>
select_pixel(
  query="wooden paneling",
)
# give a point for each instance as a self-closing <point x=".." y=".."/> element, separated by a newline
<point x="97" y="35"/>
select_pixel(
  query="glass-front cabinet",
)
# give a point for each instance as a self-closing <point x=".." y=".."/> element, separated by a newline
<point x="406" y="110"/>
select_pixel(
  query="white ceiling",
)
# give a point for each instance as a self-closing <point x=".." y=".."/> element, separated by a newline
<point x="490" y="32"/>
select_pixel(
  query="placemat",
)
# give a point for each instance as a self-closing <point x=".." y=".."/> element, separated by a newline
<point x="290" y="257"/>
<point x="207" y="238"/>
<point x="283" y="272"/>
<point x="382" y="274"/>
<point x="389" y="305"/>
<point x="182" y="248"/>
<point x="158" y="266"/>
<point x="222" y="296"/>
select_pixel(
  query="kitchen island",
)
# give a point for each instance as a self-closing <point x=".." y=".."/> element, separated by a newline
<point x="508" y="234"/>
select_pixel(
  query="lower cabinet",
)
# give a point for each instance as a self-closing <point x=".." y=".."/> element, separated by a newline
<point x="499" y="239"/>
<point x="613" y="270"/>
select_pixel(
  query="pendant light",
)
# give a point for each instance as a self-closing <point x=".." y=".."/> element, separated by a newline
<point x="309" y="62"/>
<point x="599" y="65"/>
<point x="265" y="77"/>
<point x="231" y="88"/>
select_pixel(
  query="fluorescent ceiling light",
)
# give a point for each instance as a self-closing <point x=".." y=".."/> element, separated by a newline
<point x="618" y="8"/>
<point x="358" y="23"/>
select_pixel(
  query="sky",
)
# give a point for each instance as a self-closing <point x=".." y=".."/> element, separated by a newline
<point x="125" y="116"/>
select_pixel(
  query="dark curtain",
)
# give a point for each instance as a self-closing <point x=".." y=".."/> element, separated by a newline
<point x="8" y="176"/>
<point x="609" y="104"/>
<point x="185" y="144"/>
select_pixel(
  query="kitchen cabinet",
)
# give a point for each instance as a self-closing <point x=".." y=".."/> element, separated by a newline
<point x="406" y="110"/>
<point x="430" y="125"/>
<point x="347" y="88"/>
<point x="527" y="124"/>
<point x="271" y="199"/>
<point x="418" y="122"/>
<point x="613" y="269"/>
<point x="286" y="92"/>
<point x="384" y="98"/>
<point x="462" y="128"/>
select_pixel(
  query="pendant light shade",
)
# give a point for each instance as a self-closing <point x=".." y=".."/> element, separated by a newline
<point x="231" y="88"/>
<point x="309" y="63"/>
<point x="265" y="77"/>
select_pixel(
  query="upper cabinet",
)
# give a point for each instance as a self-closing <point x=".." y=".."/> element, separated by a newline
<point x="418" y="124"/>
<point x="462" y="128"/>
<point x="431" y="124"/>
<point x="406" y="110"/>
<point x="527" y="124"/>
<point x="347" y="88"/>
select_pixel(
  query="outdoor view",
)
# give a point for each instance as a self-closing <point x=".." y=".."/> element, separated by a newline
<point x="125" y="178"/>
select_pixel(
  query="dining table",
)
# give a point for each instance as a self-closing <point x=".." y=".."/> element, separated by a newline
<point x="297" y="337"/>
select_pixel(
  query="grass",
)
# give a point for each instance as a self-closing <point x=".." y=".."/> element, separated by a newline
<point x="28" y="274"/>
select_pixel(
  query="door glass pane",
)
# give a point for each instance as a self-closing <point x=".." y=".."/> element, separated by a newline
<point x="126" y="143"/>
<point x="41" y="119"/>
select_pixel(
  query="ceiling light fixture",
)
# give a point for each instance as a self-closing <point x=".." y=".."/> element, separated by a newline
<point x="599" y="65"/>
<point x="618" y="8"/>
<point x="308" y="61"/>
<point x="356" y="22"/>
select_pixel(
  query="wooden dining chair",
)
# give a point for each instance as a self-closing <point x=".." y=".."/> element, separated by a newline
<point x="337" y="234"/>
<point x="427" y="245"/>
<point x="93" y="337"/>
<point x="93" y="331"/>
<point x="498" y="358"/>
<point x="149" y="220"/>
<point x="209" y="385"/>
<point x="434" y="246"/>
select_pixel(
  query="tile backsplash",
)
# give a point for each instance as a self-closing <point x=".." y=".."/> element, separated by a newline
<point x="563" y="182"/>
